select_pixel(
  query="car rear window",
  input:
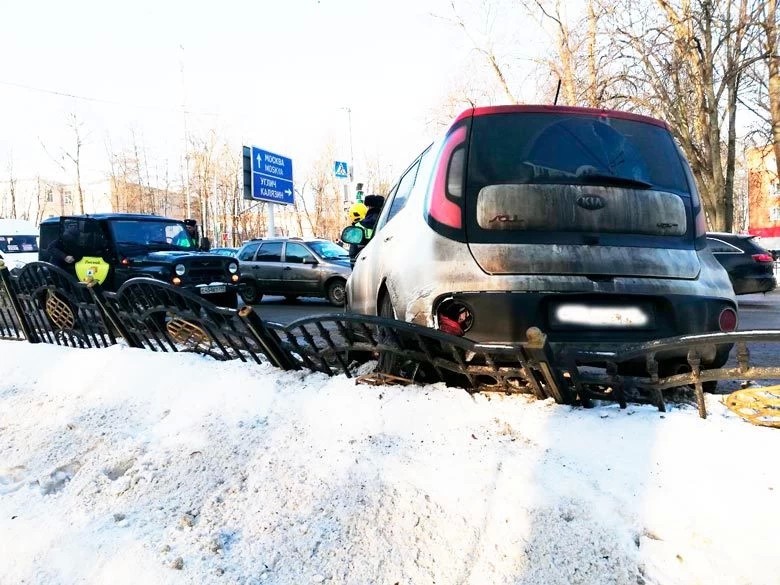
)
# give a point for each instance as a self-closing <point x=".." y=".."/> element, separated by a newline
<point x="538" y="148"/>
<point x="531" y="176"/>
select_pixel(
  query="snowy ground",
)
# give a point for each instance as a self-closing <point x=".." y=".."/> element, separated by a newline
<point x="124" y="466"/>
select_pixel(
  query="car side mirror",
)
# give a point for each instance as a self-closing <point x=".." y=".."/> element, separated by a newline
<point x="352" y="234"/>
<point x="205" y="244"/>
<point x="312" y="261"/>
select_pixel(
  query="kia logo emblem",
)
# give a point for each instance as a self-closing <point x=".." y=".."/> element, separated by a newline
<point x="591" y="202"/>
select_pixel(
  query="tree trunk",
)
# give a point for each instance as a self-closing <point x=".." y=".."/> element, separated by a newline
<point x="773" y="64"/>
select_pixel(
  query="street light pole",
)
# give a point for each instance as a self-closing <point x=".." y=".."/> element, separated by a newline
<point x="186" y="137"/>
<point x="351" y="152"/>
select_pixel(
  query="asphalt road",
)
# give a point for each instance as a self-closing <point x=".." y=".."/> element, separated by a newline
<point x="279" y="310"/>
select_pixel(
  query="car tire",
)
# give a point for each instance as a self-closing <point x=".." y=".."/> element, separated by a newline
<point x="337" y="292"/>
<point x="250" y="293"/>
<point x="387" y="362"/>
<point x="227" y="300"/>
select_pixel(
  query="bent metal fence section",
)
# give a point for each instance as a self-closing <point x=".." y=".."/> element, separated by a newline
<point x="45" y="304"/>
<point x="53" y="307"/>
<point x="597" y="375"/>
<point x="160" y="317"/>
<point x="10" y="313"/>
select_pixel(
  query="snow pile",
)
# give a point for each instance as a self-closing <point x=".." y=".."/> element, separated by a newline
<point x="124" y="466"/>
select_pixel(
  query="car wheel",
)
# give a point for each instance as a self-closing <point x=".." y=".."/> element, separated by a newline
<point x="290" y="298"/>
<point x="250" y="293"/>
<point x="228" y="300"/>
<point x="388" y="363"/>
<point x="337" y="292"/>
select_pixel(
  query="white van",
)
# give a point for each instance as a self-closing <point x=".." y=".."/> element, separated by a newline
<point x="18" y="242"/>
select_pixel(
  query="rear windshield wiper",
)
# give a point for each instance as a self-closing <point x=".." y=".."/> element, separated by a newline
<point x="605" y="179"/>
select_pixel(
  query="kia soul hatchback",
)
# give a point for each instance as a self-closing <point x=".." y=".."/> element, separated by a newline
<point x="584" y="223"/>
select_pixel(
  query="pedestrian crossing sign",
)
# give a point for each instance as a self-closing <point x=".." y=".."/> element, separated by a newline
<point x="341" y="170"/>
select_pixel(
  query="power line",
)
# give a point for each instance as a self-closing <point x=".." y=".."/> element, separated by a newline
<point x="102" y="101"/>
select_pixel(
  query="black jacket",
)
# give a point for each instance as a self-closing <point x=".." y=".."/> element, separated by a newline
<point x="60" y="249"/>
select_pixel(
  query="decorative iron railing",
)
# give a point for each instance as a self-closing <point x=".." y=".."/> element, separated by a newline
<point x="42" y="303"/>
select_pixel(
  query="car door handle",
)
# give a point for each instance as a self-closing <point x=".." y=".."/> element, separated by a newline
<point x="388" y="238"/>
<point x="287" y="268"/>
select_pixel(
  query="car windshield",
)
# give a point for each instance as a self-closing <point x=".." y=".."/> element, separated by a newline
<point x="155" y="235"/>
<point x="328" y="250"/>
<point x="537" y="148"/>
<point x="18" y="244"/>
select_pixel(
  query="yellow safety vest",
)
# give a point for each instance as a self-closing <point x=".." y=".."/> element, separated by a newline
<point x="92" y="267"/>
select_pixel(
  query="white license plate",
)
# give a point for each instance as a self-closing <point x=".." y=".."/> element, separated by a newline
<point x="576" y="314"/>
<point x="212" y="290"/>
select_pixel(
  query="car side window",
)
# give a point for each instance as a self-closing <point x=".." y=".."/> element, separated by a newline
<point x="248" y="253"/>
<point x="720" y="247"/>
<point x="297" y="254"/>
<point x="270" y="252"/>
<point x="415" y="178"/>
<point x="402" y="193"/>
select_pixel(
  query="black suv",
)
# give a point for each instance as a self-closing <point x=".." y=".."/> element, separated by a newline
<point x="750" y="267"/>
<point x="115" y="247"/>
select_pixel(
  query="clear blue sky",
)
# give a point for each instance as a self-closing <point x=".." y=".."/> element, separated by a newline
<point x="273" y="73"/>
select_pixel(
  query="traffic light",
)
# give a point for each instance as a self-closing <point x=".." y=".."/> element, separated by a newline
<point x="247" y="162"/>
<point x="359" y="193"/>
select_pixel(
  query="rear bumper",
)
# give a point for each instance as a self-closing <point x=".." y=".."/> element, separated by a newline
<point x="754" y="284"/>
<point x="504" y="317"/>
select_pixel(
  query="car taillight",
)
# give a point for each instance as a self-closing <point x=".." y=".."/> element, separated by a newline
<point x="763" y="258"/>
<point x="727" y="321"/>
<point x="445" y="205"/>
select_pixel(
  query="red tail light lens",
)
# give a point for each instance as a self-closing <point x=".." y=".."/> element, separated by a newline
<point x="762" y="258"/>
<point x="454" y="317"/>
<point x="450" y="326"/>
<point x="445" y="203"/>
<point x="727" y="321"/>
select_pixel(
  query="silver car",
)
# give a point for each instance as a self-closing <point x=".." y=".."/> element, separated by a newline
<point x="293" y="268"/>
<point x="584" y="223"/>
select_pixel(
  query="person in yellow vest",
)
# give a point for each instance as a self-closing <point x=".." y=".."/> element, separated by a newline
<point x="374" y="204"/>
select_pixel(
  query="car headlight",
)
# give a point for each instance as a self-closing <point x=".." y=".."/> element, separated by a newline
<point x="232" y="268"/>
<point x="180" y="269"/>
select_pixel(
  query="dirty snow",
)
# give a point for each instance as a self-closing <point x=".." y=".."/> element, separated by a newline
<point x="124" y="466"/>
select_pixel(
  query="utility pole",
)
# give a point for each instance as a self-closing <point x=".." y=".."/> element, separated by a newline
<point x="348" y="110"/>
<point x="186" y="137"/>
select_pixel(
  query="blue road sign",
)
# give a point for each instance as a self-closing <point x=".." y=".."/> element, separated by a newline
<point x="272" y="177"/>
<point x="341" y="170"/>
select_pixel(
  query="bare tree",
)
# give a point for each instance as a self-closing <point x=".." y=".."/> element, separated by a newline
<point x="73" y="155"/>
<point x="12" y="187"/>
<point x="772" y="52"/>
<point x="326" y="216"/>
<point x="683" y="62"/>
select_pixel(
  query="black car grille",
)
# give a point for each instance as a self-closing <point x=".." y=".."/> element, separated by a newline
<point x="205" y="271"/>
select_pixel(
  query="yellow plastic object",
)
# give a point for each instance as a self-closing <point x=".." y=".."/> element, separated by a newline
<point x="357" y="211"/>
<point x="92" y="267"/>
<point x="760" y="406"/>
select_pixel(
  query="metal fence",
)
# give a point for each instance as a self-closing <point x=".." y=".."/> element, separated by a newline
<point x="43" y="304"/>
